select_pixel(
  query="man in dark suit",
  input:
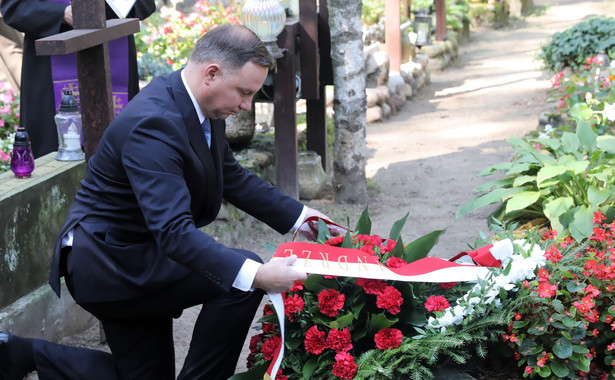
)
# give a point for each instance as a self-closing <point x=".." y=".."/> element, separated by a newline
<point x="131" y="250"/>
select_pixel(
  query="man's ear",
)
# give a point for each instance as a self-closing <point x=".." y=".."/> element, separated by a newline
<point x="211" y="72"/>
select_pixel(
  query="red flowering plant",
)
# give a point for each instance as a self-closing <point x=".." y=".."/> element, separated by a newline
<point x="564" y="320"/>
<point x="165" y="42"/>
<point x="9" y="122"/>
<point x="357" y="328"/>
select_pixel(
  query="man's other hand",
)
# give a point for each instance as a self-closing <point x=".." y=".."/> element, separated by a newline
<point x="277" y="276"/>
<point x="310" y="229"/>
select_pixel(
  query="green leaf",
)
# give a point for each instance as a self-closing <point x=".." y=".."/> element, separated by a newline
<point x="521" y="180"/>
<point x="562" y="348"/>
<point x="606" y="143"/>
<point x="518" y="168"/>
<point x="343" y="321"/>
<point x="397" y="227"/>
<point x="587" y="135"/>
<point x="309" y="367"/>
<point x="379" y="322"/>
<point x="421" y="247"/>
<point x="571" y="141"/>
<point x="559" y="369"/>
<point x="491" y="184"/>
<point x="474" y="204"/>
<point x="596" y="196"/>
<point x="270" y="247"/>
<point x="580" y="111"/>
<point x="323" y="231"/>
<point x="493" y="168"/>
<point x="580" y="349"/>
<point x="558" y="206"/>
<point x="347" y="242"/>
<point x="521" y="200"/>
<point x="544" y="371"/>
<point x="256" y="373"/>
<point x="557" y="305"/>
<point x="582" y="225"/>
<point x="549" y="172"/>
<point x="364" y="224"/>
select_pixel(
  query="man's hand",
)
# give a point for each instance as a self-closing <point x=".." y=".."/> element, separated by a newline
<point x="310" y="229"/>
<point x="68" y="15"/>
<point x="277" y="276"/>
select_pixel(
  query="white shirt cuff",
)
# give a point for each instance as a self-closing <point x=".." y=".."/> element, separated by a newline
<point x="300" y="219"/>
<point x="246" y="275"/>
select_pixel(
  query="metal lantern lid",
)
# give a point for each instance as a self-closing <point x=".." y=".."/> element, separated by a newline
<point x="68" y="102"/>
<point x="602" y="59"/>
<point x="21" y="138"/>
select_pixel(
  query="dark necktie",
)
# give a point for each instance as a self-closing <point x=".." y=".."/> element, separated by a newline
<point x="207" y="131"/>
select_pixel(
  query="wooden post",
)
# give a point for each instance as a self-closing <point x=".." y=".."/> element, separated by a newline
<point x="392" y="35"/>
<point x="89" y="40"/>
<point x="285" y="113"/>
<point x="440" y="20"/>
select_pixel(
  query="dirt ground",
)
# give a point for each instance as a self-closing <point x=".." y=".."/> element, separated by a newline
<point x="424" y="158"/>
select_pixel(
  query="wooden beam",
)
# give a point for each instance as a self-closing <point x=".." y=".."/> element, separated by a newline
<point x="440" y="20"/>
<point x="392" y="36"/>
<point x="75" y="40"/>
<point x="308" y="45"/>
<point x="285" y="113"/>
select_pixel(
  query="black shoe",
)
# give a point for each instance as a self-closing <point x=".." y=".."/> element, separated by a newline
<point x="9" y="371"/>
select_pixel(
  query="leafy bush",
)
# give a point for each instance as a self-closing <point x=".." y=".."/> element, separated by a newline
<point x="587" y="95"/>
<point x="563" y="325"/>
<point x="565" y="180"/>
<point x="571" y="47"/>
<point x="9" y="122"/>
<point x="166" y="40"/>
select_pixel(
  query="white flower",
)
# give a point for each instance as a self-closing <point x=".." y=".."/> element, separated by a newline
<point x="609" y="111"/>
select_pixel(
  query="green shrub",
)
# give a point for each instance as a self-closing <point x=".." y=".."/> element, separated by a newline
<point x="573" y="46"/>
<point x="565" y="180"/>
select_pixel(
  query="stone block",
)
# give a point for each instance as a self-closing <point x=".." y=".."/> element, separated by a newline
<point x="373" y="114"/>
<point x="33" y="211"/>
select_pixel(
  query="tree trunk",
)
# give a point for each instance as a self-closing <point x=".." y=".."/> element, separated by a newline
<point x="349" y="101"/>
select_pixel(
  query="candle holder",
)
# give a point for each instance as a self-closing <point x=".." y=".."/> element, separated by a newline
<point x="22" y="160"/>
<point x="267" y="19"/>
<point x="68" y="123"/>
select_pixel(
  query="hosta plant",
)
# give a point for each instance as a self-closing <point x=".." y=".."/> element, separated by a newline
<point x="564" y="180"/>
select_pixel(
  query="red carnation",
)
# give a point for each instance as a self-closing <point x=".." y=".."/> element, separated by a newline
<point x="293" y="305"/>
<point x="339" y="340"/>
<point x="314" y="341"/>
<point x="268" y="310"/>
<point x="436" y="303"/>
<point x="371" y="286"/>
<point x="330" y="302"/>
<point x="447" y="285"/>
<point x="388" y="338"/>
<point x="344" y="366"/>
<point x="298" y="285"/>
<point x="255" y="341"/>
<point x="335" y="241"/>
<point x="270" y="345"/>
<point x="396" y="262"/>
<point x="269" y="328"/>
<point x="280" y="375"/>
<point x="390" y="300"/>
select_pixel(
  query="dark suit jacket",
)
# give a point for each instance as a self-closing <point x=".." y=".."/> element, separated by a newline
<point x="151" y="184"/>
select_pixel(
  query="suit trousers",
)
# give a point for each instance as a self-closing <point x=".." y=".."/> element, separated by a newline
<point x="140" y="335"/>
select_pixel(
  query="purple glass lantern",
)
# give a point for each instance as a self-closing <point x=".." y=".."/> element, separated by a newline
<point x="22" y="160"/>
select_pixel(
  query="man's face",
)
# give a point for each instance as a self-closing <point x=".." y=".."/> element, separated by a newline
<point x="230" y="91"/>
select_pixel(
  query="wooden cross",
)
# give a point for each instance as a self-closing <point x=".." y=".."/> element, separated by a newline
<point x="89" y="40"/>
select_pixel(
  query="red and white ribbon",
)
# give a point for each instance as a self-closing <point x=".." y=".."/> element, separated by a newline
<point x="349" y="262"/>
